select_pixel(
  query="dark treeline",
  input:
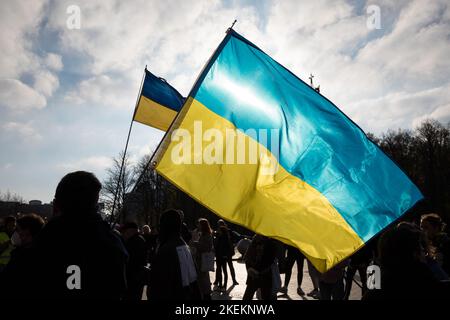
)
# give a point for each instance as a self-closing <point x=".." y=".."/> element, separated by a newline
<point x="423" y="154"/>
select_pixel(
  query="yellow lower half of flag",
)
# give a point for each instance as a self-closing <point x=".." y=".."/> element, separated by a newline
<point x="277" y="205"/>
<point x="153" y="114"/>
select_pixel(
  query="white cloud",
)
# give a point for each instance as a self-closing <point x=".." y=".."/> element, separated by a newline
<point x="327" y="38"/>
<point x="415" y="54"/>
<point x="137" y="153"/>
<point x="306" y="16"/>
<point x="20" y="25"/>
<point x="17" y="96"/>
<point x="441" y="113"/>
<point x="403" y="109"/>
<point x="45" y="82"/>
<point x="120" y="38"/>
<point x="106" y="91"/>
<point x="25" y="131"/>
<point x="320" y="38"/>
<point x="372" y="75"/>
<point x="54" y="61"/>
<point x="93" y="163"/>
<point x="19" y="22"/>
<point x="7" y="166"/>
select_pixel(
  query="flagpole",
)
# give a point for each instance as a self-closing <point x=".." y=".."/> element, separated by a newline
<point x="112" y="220"/>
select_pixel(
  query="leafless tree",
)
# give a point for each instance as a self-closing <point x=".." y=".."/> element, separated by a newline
<point x="153" y="193"/>
<point x="9" y="196"/>
<point x="111" y="185"/>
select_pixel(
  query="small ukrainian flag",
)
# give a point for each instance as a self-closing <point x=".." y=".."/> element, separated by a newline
<point x="158" y="104"/>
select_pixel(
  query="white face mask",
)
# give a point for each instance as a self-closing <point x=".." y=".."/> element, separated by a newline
<point x="15" y="239"/>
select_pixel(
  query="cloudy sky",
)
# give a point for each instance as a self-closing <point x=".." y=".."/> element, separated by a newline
<point x="67" y="94"/>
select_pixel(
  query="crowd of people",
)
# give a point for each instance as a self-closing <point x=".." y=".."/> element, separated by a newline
<point x="170" y="262"/>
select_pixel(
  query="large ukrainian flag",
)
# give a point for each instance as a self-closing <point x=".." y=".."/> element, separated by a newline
<point x="158" y="104"/>
<point x="334" y="189"/>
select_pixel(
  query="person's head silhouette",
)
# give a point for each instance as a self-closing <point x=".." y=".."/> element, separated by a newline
<point x="431" y="224"/>
<point x="77" y="193"/>
<point x="204" y="226"/>
<point x="401" y="246"/>
<point x="170" y="223"/>
<point x="28" y="228"/>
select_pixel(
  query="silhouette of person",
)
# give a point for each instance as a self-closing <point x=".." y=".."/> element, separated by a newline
<point x="77" y="237"/>
<point x="150" y="241"/>
<point x="173" y="274"/>
<point x="17" y="279"/>
<point x="314" y="274"/>
<point x="432" y="225"/>
<point x="259" y="261"/>
<point x="293" y="255"/>
<point x="202" y="246"/>
<point x="5" y="240"/>
<point x="404" y="273"/>
<point x="223" y="248"/>
<point x="229" y="256"/>
<point x="137" y="260"/>
<point x="331" y="283"/>
<point x="359" y="261"/>
<point x="185" y="233"/>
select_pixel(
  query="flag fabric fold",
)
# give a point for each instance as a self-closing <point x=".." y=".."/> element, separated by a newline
<point x="158" y="104"/>
<point x="332" y="189"/>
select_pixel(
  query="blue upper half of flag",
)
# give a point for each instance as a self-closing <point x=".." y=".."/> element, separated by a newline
<point x="161" y="92"/>
<point x="318" y="143"/>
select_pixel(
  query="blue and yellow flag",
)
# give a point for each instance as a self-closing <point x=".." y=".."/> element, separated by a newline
<point x="315" y="181"/>
<point x="158" y="104"/>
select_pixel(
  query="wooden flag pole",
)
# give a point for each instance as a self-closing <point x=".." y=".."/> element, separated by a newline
<point x="112" y="220"/>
